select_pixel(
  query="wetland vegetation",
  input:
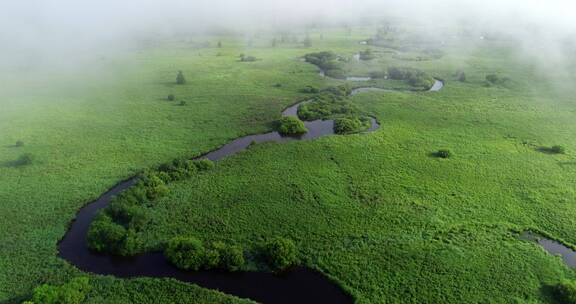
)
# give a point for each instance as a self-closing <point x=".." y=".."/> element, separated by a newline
<point x="426" y="209"/>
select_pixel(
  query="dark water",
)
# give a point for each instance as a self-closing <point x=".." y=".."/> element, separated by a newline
<point x="553" y="247"/>
<point x="302" y="285"/>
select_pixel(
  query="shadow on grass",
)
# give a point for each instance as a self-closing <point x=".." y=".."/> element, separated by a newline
<point x="549" y="293"/>
<point x="551" y="150"/>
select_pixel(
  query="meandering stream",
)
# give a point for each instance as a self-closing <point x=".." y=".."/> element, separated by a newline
<point x="303" y="285"/>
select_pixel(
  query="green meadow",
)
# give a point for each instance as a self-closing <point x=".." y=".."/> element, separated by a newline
<point x="377" y="212"/>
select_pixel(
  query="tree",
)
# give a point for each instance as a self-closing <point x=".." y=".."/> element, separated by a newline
<point x="219" y="44"/>
<point x="180" y="79"/>
<point x="281" y="253"/>
<point x="186" y="253"/>
<point x="462" y="77"/>
<point x="231" y="257"/>
<point x="106" y="236"/>
<point x="274" y="42"/>
<point x="558" y="149"/>
<point x="291" y="126"/>
<point x="443" y="153"/>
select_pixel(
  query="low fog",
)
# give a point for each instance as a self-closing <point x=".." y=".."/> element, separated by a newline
<point x="64" y="32"/>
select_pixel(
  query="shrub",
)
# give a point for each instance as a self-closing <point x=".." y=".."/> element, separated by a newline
<point x="462" y="77"/>
<point x="204" y="164"/>
<point x="324" y="60"/>
<point x="186" y="253"/>
<point x="106" y="236"/>
<point x="73" y="292"/>
<point x="129" y="216"/>
<point x="154" y="186"/>
<point x="443" y="153"/>
<point x="347" y="125"/>
<point x="397" y="73"/>
<point x="244" y="58"/>
<point x="327" y="62"/>
<point x="180" y="79"/>
<point x="291" y="126"/>
<point x="328" y="105"/>
<point x="182" y="103"/>
<point x="339" y="91"/>
<point x="558" y="149"/>
<point x="277" y="85"/>
<point x="420" y="79"/>
<point x="310" y="90"/>
<point x="565" y="292"/>
<point x="493" y="79"/>
<point x="281" y="253"/>
<point x="415" y="78"/>
<point x="24" y="160"/>
<point x="171" y="97"/>
<point x="19" y="143"/>
<point x="231" y="257"/>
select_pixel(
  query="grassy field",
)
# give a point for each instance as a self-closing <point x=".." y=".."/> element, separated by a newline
<point x="374" y="211"/>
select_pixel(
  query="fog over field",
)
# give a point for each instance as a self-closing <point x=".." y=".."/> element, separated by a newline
<point x="50" y="31"/>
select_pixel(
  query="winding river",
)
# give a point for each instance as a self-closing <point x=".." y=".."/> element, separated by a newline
<point x="302" y="285"/>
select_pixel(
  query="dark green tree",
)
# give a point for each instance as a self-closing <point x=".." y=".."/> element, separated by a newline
<point x="180" y="79"/>
<point x="186" y="253"/>
<point x="281" y="253"/>
<point x="291" y="126"/>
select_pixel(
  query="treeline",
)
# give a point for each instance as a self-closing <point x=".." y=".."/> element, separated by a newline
<point x="116" y="229"/>
<point x="189" y="253"/>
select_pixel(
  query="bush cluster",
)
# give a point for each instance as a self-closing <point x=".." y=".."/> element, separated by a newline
<point x="329" y="103"/>
<point x="414" y="77"/>
<point x="281" y="254"/>
<point x="73" y="292"/>
<point x="494" y="79"/>
<point x="349" y="125"/>
<point x="443" y="153"/>
<point x="117" y="228"/>
<point x="245" y="58"/>
<point x="291" y="126"/>
<point x="327" y="62"/>
<point x="191" y="254"/>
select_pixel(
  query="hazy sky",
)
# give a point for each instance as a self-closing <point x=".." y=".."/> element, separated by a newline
<point x="44" y="27"/>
